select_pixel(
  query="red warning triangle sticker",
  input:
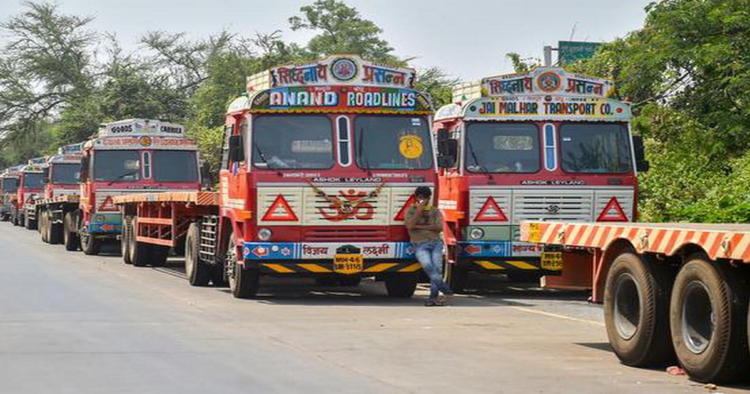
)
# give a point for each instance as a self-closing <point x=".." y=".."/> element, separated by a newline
<point x="401" y="215"/>
<point x="612" y="212"/>
<point x="490" y="212"/>
<point x="107" y="205"/>
<point x="280" y="211"/>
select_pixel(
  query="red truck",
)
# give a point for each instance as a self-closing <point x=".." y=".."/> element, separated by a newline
<point x="669" y="289"/>
<point x="127" y="157"/>
<point x="319" y="166"/>
<point x="61" y="192"/>
<point x="30" y="187"/>
<point x="546" y="145"/>
<point x="9" y="180"/>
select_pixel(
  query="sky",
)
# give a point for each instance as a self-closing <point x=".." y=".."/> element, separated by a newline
<point x="468" y="39"/>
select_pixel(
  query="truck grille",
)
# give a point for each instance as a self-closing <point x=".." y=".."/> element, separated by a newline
<point x="344" y="234"/>
<point x="580" y="205"/>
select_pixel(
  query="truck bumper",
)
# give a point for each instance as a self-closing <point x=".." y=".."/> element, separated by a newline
<point x="310" y="258"/>
<point x="105" y="223"/>
<point x="497" y="257"/>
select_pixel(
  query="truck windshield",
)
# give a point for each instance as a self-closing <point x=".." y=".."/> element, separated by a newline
<point x="33" y="180"/>
<point x="10" y="185"/>
<point x="117" y="166"/>
<point x="502" y="147"/>
<point x="175" y="166"/>
<point x="292" y="142"/>
<point x="392" y="142"/>
<point x="595" y="148"/>
<point x="66" y="174"/>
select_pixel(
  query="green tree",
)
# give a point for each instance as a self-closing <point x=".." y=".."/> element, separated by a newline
<point x="341" y="29"/>
<point x="687" y="73"/>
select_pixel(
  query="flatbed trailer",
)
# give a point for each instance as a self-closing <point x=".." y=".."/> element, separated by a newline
<point x="51" y="212"/>
<point x="155" y="222"/>
<point x="670" y="290"/>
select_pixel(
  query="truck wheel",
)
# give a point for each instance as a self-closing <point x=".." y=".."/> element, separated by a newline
<point x="70" y="236"/>
<point x="198" y="272"/>
<point x="707" y="316"/>
<point x="30" y="224"/>
<point x="401" y="285"/>
<point x="243" y="282"/>
<point x="159" y="255"/>
<point x="140" y="252"/>
<point x="636" y="310"/>
<point x="90" y="245"/>
<point x="43" y="227"/>
<point x="54" y="232"/>
<point x="350" y="281"/>
<point x="127" y="231"/>
<point x="456" y="276"/>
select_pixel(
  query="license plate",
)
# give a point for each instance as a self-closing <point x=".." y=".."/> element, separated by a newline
<point x="552" y="261"/>
<point x="348" y="264"/>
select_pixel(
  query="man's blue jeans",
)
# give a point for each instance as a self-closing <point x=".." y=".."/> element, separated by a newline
<point x="430" y="256"/>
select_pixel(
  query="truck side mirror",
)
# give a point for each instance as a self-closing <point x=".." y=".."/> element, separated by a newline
<point x="447" y="149"/>
<point x="45" y="174"/>
<point x="641" y="164"/>
<point x="236" y="149"/>
<point x="207" y="179"/>
<point x="84" y="171"/>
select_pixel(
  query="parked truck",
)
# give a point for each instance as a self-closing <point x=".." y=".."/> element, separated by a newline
<point x="319" y="166"/>
<point x="127" y="157"/>
<point x="61" y="192"/>
<point x="30" y="187"/>
<point x="9" y="180"/>
<point x="544" y="145"/>
<point x="668" y="289"/>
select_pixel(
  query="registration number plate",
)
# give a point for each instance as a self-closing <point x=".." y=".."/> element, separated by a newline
<point x="552" y="261"/>
<point x="348" y="264"/>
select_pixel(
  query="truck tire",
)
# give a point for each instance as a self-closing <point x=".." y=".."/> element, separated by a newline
<point x="70" y="235"/>
<point x="198" y="272"/>
<point x="159" y="255"/>
<point x="54" y="230"/>
<point x="127" y="232"/>
<point x="243" y="282"/>
<point x="401" y="285"/>
<point x="636" y="311"/>
<point x="29" y="223"/>
<point x="43" y="227"/>
<point x="140" y="252"/>
<point x="709" y="326"/>
<point x="90" y="245"/>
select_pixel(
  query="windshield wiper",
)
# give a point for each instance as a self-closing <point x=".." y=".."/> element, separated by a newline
<point x="360" y="151"/>
<point x="121" y="176"/>
<point x="482" y="169"/>
<point x="263" y="157"/>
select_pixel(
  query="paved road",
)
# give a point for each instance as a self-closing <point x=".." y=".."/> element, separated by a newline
<point x="76" y="324"/>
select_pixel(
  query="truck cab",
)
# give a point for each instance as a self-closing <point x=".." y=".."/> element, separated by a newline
<point x="547" y="145"/>
<point x="9" y="181"/>
<point x="320" y="164"/>
<point x="64" y="170"/>
<point x="127" y="157"/>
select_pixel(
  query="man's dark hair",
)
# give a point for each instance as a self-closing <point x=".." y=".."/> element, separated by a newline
<point x="423" y="191"/>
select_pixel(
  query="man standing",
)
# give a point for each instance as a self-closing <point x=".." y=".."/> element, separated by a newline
<point x="425" y="223"/>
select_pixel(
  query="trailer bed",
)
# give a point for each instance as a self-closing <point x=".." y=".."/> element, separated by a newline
<point x="720" y="241"/>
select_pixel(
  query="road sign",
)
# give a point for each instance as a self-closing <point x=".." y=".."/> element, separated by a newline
<point x="572" y="51"/>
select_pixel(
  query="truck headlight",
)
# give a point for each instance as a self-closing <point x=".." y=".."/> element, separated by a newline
<point x="264" y="234"/>
<point x="476" y="233"/>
